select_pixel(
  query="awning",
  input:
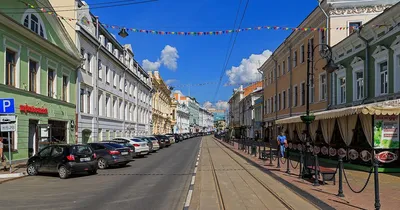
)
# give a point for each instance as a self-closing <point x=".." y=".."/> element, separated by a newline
<point x="391" y="107"/>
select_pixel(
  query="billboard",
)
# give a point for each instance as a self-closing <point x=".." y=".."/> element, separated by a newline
<point x="218" y="116"/>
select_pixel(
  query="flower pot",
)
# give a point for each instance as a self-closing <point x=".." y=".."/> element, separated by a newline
<point x="307" y="118"/>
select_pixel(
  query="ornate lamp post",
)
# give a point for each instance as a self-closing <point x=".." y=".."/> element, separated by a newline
<point x="325" y="53"/>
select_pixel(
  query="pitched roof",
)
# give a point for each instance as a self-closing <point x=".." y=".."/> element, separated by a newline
<point x="251" y="88"/>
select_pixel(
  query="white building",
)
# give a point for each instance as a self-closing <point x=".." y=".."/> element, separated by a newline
<point x="248" y="111"/>
<point x="114" y="92"/>
<point x="182" y="113"/>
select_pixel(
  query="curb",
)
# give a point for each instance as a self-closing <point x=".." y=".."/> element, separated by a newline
<point x="12" y="179"/>
<point x="310" y="198"/>
<point x="191" y="186"/>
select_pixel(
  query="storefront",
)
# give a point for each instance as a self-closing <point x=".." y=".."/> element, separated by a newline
<point x="354" y="133"/>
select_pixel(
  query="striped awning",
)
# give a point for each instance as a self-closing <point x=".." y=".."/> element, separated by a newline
<point x="391" y="107"/>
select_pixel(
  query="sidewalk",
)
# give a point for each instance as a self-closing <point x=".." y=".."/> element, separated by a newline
<point x="18" y="171"/>
<point x="389" y="185"/>
<point x="225" y="179"/>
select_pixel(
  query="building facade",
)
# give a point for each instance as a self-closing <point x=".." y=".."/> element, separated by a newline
<point x="162" y="103"/>
<point x="182" y="113"/>
<point x="234" y="112"/>
<point x="258" y="117"/>
<point x="194" y="108"/>
<point x="206" y="120"/>
<point x="285" y="71"/>
<point x="38" y="66"/>
<point x="248" y="112"/>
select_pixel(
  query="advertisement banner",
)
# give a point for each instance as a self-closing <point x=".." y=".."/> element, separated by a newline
<point x="386" y="132"/>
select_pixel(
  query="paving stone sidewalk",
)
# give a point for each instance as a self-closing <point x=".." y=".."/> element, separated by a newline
<point x="389" y="184"/>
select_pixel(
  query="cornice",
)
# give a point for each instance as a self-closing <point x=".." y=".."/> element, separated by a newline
<point x="359" y="10"/>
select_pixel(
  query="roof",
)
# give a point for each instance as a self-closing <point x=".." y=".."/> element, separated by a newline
<point x="251" y="88"/>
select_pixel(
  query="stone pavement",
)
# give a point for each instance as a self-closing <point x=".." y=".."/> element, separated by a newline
<point x="389" y="185"/>
<point x="18" y="171"/>
<point x="226" y="181"/>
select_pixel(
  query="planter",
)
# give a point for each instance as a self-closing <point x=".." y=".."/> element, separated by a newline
<point x="307" y="118"/>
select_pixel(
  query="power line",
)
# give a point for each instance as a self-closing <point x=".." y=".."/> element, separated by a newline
<point x="98" y="7"/>
<point x="231" y="50"/>
<point x="65" y="6"/>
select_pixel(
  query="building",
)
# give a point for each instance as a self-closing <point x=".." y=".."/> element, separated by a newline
<point x="194" y="108"/>
<point x="182" y="113"/>
<point x="162" y="105"/>
<point x="248" y="113"/>
<point x="38" y="67"/>
<point x="285" y="72"/>
<point x="206" y="120"/>
<point x="114" y="91"/>
<point x="258" y="108"/>
<point x="234" y="112"/>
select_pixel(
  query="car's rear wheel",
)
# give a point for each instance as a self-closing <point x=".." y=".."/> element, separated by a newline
<point x="63" y="172"/>
<point x="101" y="163"/>
<point x="31" y="170"/>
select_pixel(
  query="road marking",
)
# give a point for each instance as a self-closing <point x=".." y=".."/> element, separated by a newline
<point x="191" y="186"/>
<point x="188" y="198"/>
<point x="198" y="159"/>
<point x="195" y="170"/>
<point x="193" y="179"/>
<point x="197" y="163"/>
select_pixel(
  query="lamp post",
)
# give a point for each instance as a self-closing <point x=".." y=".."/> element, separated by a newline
<point x="325" y="53"/>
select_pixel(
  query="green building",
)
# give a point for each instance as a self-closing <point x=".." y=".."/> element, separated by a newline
<point x="38" y="63"/>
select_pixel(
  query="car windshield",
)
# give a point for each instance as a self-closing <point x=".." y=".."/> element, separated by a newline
<point x="115" y="145"/>
<point x="125" y="144"/>
<point x="137" y="140"/>
<point x="81" y="149"/>
<point x="152" y="138"/>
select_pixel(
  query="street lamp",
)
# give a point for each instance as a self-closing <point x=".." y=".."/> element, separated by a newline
<point x="325" y="53"/>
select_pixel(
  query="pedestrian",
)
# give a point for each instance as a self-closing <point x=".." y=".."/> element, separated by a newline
<point x="282" y="142"/>
<point x="2" y="159"/>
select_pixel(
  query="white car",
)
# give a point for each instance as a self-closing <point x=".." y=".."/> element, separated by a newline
<point x="141" y="147"/>
<point x="156" y="146"/>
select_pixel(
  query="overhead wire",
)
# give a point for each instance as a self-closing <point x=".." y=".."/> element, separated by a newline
<point x="66" y="6"/>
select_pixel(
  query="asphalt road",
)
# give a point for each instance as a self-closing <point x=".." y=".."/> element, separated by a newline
<point x="158" y="181"/>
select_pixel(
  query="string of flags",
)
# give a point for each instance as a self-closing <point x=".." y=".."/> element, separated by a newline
<point x="213" y="83"/>
<point x="194" y="33"/>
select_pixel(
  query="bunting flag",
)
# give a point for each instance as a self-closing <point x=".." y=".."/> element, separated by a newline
<point x="197" y="33"/>
<point x="214" y="83"/>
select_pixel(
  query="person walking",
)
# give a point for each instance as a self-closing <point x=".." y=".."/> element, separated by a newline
<point x="282" y="142"/>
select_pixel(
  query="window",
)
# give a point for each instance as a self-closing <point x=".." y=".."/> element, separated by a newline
<point x="88" y="99"/>
<point x="295" y="96"/>
<point x="279" y="71"/>
<point x="32" y="75"/>
<point x="108" y="76"/>
<point x="115" y="107"/>
<point x="108" y="107"/>
<point x="64" y="88"/>
<point x="10" y="68"/>
<point x="311" y="45"/>
<point x="279" y="101"/>
<point x="284" y="100"/>
<point x="89" y="63"/>
<point x="83" y="53"/>
<point x="312" y="91"/>
<point x="35" y="24"/>
<point x="115" y="79"/>
<point x="101" y="104"/>
<point x="100" y="69"/>
<point x="303" y="94"/>
<point x="302" y="54"/>
<point x="383" y="68"/>
<point x="288" y="63"/>
<point x="353" y="26"/>
<point x="323" y="87"/>
<point x="322" y="38"/>
<point x="295" y="59"/>
<point x="121" y="82"/>
<point x="283" y="67"/>
<point x="46" y="152"/>
<point x="50" y="83"/>
<point x="359" y="81"/>
<point x="82" y="100"/>
<point x="342" y="83"/>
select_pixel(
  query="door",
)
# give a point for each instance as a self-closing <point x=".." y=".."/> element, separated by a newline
<point x="32" y="138"/>
<point x="55" y="158"/>
<point x="44" y="156"/>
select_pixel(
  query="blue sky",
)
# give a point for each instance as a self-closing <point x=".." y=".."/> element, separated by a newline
<point x="201" y="58"/>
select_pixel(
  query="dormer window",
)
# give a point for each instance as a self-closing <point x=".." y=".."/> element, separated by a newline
<point x="33" y="21"/>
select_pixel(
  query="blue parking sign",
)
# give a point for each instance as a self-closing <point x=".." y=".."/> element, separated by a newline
<point x="7" y="106"/>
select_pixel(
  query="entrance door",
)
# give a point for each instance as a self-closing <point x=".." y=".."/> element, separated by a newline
<point x="32" y="138"/>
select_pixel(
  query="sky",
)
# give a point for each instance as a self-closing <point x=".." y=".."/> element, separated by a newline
<point x="183" y="60"/>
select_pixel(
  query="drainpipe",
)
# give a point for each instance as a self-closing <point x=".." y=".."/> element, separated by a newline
<point x="276" y="91"/>
<point x="328" y="78"/>
<point x="96" y="89"/>
<point x="366" y="65"/>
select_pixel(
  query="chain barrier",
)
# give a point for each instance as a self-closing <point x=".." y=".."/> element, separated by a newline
<point x="365" y="185"/>
<point x="281" y="159"/>
<point x="291" y="163"/>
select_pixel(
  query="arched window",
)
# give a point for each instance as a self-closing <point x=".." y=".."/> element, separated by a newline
<point x="33" y="21"/>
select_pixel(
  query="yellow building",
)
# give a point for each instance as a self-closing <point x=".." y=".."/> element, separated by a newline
<point x="162" y="104"/>
<point x="285" y="72"/>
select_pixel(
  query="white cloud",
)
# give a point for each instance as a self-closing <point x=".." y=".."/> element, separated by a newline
<point x="247" y="70"/>
<point x="170" y="81"/>
<point x="207" y="104"/>
<point x="150" y="66"/>
<point x="222" y="105"/>
<point x="169" y="59"/>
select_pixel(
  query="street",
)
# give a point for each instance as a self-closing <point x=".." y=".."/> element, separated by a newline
<point x="158" y="181"/>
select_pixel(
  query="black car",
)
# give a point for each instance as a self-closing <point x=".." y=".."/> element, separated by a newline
<point x="165" y="138"/>
<point x="161" y="141"/>
<point x="111" y="154"/>
<point x="64" y="160"/>
<point x="124" y="143"/>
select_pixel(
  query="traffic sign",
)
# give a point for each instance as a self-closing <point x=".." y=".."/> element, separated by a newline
<point x="7" y="106"/>
<point x="7" y="127"/>
<point x="7" y="119"/>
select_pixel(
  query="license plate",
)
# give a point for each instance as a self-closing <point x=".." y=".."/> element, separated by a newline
<point x="85" y="159"/>
<point x="124" y="153"/>
<point x="143" y="152"/>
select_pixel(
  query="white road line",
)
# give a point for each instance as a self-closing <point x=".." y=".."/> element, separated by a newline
<point x="188" y="198"/>
<point x="198" y="159"/>
<point x="193" y="179"/>
<point x="197" y="163"/>
<point x="195" y="169"/>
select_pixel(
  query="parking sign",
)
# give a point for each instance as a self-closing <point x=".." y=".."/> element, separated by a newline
<point x="7" y="106"/>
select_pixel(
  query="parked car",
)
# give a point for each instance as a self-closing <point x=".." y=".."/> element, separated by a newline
<point x="64" y="160"/>
<point x="111" y="154"/>
<point x="149" y="142"/>
<point x="141" y="146"/>
<point x="161" y="141"/>
<point x="165" y="138"/>
<point x="154" y="140"/>
<point x="178" y="137"/>
<point x="172" y="138"/>
<point x="124" y="143"/>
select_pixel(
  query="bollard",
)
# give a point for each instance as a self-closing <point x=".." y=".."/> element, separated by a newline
<point x="301" y="164"/>
<point x="270" y="155"/>
<point x="316" y="181"/>
<point x="340" y="192"/>
<point x="259" y="150"/>
<point x="376" y="185"/>
<point x="287" y="162"/>
<point x="279" y="155"/>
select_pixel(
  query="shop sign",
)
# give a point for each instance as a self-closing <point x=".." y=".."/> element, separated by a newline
<point x="32" y="109"/>
<point x="8" y="127"/>
<point x="386" y="157"/>
<point x="386" y="132"/>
